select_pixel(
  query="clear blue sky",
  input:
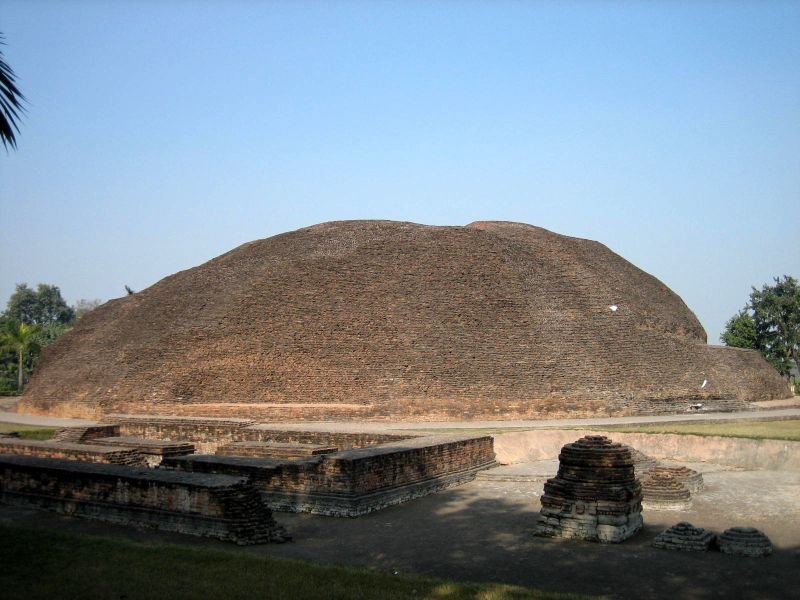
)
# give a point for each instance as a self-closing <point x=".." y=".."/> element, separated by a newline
<point x="161" y="134"/>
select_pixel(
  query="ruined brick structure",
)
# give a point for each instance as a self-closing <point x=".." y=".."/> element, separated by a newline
<point x="595" y="496"/>
<point x="661" y="490"/>
<point x="744" y="541"/>
<point x="358" y="481"/>
<point x="386" y="320"/>
<point x="275" y="450"/>
<point x="323" y="472"/>
<point x="684" y="536"/>
<point x="688" y="477"/>
<point x="219" y="506"/>
<point x="65" y="450"/>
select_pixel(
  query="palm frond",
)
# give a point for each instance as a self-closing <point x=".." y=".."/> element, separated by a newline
<point x="11" y="103"/>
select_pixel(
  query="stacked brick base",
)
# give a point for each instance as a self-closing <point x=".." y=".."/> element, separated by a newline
<point x="359" y="481"/>
<point x="223" y="507"/>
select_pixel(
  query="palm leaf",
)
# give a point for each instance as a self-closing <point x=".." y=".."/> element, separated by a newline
<point x="11" y="100"/>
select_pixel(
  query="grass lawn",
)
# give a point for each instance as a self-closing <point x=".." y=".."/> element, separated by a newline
<point x="758" y="430"/>
<point x="28" y="432"/>
<point x="47" y="564"/>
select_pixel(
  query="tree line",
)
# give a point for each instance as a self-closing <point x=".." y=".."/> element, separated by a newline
<point x="770" y="324"/>
<point x="33" y="318"/>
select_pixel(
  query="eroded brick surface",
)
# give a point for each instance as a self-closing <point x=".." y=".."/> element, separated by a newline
<point x="384" y="320"/>
<point x="684" y="536"/>
<point x="356" y="481"/>
<point x="745" y="541"/>
<point x="219" y="506"/>
<point x="595" y="496"/>
<point x="273" y="450"/>
<point x="663" y="491"/>
<point x="65" y="450"/>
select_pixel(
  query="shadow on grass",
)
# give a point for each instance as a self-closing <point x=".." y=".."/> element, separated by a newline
<point x="48" y="564"/>
<point x="482" y="531"/>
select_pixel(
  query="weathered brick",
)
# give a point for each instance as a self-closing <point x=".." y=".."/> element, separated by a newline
<point x="382" y="320"/>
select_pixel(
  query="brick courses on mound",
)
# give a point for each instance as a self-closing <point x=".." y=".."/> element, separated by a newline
<point x="386" y="320"/>
<point x="595" y="496"/>
<point x="745" y="541"/>
<point x="684" y="536"/>
<point x="219" y="506"/>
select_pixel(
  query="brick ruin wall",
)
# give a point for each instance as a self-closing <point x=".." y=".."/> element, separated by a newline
<point x="68" y="451"/>
<point x="337" y="439"/>
<point x="207" y="434"/>
<point x="358" y="481"/>
<point x="381" y="320"/>
<point x="219" y="506"/>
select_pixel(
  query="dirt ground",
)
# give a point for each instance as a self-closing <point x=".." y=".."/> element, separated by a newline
<point x="483" y="531"/>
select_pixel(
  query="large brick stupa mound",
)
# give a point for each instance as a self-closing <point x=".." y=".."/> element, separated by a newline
<point x="377" y="319"/>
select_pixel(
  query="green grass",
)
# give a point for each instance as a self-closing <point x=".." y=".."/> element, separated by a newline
<point x="756" y="430"/>
<point x="47" y="564"/>
<point x="28" y="432"/>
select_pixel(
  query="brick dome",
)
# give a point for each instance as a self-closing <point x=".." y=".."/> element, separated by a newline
<point x="380" y="319"/>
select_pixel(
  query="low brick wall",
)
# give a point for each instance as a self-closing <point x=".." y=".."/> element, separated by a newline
<point x="64" y="450"/>
<point x="273" y="450"/>
<point x="205" y="433"/>
<point x="208" y="434"/>
<point x="340" y="440"/>
<point x="355" y="482"/>
<point x="153" y="451"/>
<point x="224" y="507"/>
<point x="84" y="434"/>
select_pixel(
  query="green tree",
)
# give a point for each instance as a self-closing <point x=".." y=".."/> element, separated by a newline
<point x="776" y="315"/>
<point x="770" y="323"/>
<point x="44" y="306"/>
<point x="20" y="338"/>
<point x="11" y="100"/>
<point x="740" y="331"/>
<point x="45" y="310"/>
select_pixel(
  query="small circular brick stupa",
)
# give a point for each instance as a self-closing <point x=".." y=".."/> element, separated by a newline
<point x="662" y="491"/>
<point x="595" y="496"/>
<point x="688" y="477"/>
<point x="684" y="536"/>
<point x="642" y="463"/>
<point x="745" y="541"/>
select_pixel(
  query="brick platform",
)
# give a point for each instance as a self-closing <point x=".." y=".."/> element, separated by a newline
<point x="218" y="506"/>
<point x="355" y="482"/>
<point x="64" y="450"/>
<point x="273" y="450"/>
<point x="153" y="451"/>
<point x="205" y="433"/>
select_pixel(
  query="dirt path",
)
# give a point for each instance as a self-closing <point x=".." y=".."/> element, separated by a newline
<point x="361" y="426"/>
